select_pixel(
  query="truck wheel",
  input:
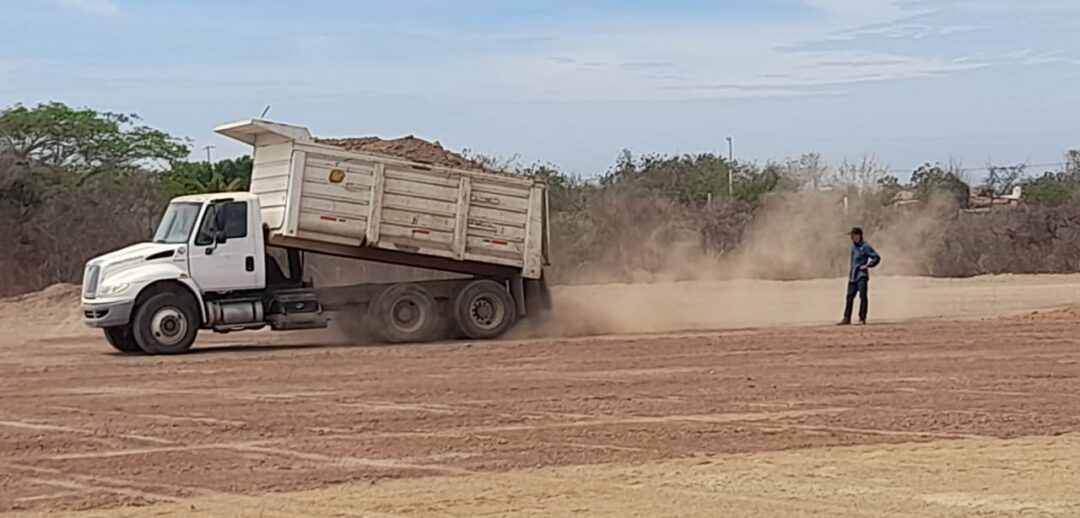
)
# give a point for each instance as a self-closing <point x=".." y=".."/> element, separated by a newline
<point x="484" y="310"/>
<point x="166" y="323"/>
<point x="122" y="339"/>
<point x="403" y="313"/>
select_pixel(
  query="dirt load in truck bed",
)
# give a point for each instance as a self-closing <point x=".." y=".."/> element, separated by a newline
<point x="408" y="148"/>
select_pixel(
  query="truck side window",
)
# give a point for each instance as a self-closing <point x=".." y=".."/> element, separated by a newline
<point x="236" y="220"/>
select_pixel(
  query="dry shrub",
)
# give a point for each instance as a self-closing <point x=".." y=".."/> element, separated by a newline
<point x="629" y="237"/>
<point x="48" y="237"/>
<point x="619" y="235"/>
<point x="633" y="237"/>
<point x="1020" y="240"/>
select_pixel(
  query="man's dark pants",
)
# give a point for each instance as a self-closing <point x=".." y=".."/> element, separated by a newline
<point x="860" y="287"/>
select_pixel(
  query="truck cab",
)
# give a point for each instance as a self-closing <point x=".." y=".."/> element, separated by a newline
<point x="206" y="267"/>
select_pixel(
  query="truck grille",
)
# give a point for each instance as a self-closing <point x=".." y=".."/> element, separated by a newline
<point x="90" y="281"/>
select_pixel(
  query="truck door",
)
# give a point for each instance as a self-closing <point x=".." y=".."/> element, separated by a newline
<point x="224" y="254"/>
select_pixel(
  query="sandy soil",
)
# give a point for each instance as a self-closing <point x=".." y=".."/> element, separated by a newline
<point x="711" y="305"/>
<point x="970" y="409"/>
<point x="1024" y="477"/>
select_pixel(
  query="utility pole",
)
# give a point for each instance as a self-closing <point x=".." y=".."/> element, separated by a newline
<point x="208" y="160"/>
<point x="730" y="165"/>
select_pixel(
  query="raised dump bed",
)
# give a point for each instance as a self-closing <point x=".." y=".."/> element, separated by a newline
<point x="323" y="198"/>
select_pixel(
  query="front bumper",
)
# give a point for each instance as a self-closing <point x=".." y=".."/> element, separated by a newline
<point x="107" y="314"/>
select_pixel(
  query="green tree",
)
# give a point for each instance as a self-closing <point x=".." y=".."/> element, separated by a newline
<point x="753" y="183"/>
<point x="565" y="193"/>
<point x="888" y="187"/>
<point x="687" y="179"/>
<point x="228" y="175"/>
<point x="1050" y="190"/>
<point x="931" y="180"/>
<point x="85" y="140"/>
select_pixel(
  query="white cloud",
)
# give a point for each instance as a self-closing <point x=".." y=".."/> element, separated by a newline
<point x="904" y="31"/>
<point x="692" y="60"/>
<point x="860" y="13"/>
<point x="94" y="7"/>
<point x="1032" y="58"/>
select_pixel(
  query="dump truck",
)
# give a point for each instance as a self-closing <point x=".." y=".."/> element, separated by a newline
<point x="235" y="261"/>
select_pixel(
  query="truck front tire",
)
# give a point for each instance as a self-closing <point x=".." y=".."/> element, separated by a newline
<point x="167" y="323"/>
<point x="484" y="310"/>
<point x="122" y="339"/>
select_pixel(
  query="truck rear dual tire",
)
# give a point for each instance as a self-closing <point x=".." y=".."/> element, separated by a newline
<point x="404" y="313"/>
<point x="166" y="323"/>
<point x="484" y="310"/>
<point x="409" y="313"/>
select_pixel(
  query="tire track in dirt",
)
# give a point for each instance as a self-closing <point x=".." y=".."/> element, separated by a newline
<point x="237" y="424"/>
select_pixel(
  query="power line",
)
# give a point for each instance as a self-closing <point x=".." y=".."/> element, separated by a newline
<point x="1016" y="164"/>
<point x="987" y="168"/>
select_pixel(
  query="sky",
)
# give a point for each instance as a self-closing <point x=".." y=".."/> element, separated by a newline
<point x="572" y="83"/>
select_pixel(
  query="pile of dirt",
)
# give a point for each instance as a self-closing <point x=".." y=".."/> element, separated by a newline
<point x="53" y="311"/>
<point x="57" y="295"/>
<point x="408" y="148"/>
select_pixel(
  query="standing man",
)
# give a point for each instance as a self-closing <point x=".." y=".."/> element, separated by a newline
<point x="863" y="258"/>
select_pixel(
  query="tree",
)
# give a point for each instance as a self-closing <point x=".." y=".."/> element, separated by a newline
<point x="687" y="179"/>
<point x="808" y="171"/>
<point x="624" y="172"/>
<point x="863" y="176"/>
<point x="956" y="168"/>
<point x="228" y="175"/>
<point x="931" y="180"/>
<point x="85" y="140"/>
<point x="888" y="186"/>
<point x="1002" y="179"/>
<point x="752" y="183"/>
<point x="1050" y="190"/>
<point x="565" y="193"/>
<point x="494" y="163"/>
<point x="1072" y="162"/>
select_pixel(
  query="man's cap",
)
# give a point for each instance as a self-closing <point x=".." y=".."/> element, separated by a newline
<point x="855" y="231"/>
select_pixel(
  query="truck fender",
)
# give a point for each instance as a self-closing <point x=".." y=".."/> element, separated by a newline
<point x="151" y="275"/>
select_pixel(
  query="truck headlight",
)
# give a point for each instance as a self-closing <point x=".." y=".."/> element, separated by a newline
<point x="113" y="289"/>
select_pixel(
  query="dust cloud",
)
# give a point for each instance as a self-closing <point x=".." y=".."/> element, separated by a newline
<point x="687" y="306"/>
<point x="788" y="269"/>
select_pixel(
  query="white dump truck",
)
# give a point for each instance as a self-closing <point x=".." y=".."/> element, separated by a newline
<point x="215" y="262"/>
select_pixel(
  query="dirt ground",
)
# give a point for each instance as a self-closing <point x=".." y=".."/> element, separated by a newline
<point x="961" y="399"/>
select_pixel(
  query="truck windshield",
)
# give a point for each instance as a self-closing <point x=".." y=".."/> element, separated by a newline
<point x="177" y="224"/>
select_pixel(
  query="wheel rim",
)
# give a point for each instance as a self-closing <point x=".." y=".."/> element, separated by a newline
<point x="487" y="312"/>
<point x="169" y="326"/>
<point x="407" y="315"/>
